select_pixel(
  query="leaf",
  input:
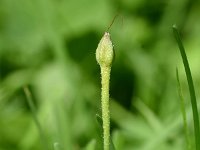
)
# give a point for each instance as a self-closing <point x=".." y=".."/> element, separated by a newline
<point x="100" y="122"/>
<point x="183" y="110"/>
<point x="191" y="87"/>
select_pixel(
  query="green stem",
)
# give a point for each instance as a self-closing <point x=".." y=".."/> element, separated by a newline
<point x="104" y="57"/>
<point x="105" y="79"/>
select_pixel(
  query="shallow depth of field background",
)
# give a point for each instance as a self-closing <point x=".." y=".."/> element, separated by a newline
<point x="49" y="46"/>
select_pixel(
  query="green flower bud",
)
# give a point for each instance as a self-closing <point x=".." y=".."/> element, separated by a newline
<point x="104" y="52"/>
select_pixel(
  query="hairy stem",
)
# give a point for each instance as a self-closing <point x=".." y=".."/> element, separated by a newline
<point x="105" y="79"/>
<point x="104" y="57"/>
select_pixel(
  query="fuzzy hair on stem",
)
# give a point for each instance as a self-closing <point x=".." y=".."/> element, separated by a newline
<point x="104" y="57"/>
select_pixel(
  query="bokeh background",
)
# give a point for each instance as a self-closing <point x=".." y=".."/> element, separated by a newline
<point x="49" y="46"/>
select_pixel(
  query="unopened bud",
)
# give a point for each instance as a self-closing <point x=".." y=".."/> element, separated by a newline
<point x="104" y="52"/>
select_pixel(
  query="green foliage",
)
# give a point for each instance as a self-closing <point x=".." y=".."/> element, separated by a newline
<point x="50" y="46"/>
<point x="35" y="118"/>
<point x="191" y="87"/>
<point x="183" y="110"/>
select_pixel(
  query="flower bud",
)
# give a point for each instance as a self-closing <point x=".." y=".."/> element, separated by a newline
<point x="104" y="51"/>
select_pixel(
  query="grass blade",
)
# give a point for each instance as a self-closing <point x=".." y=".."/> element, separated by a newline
<point x="183" y="110"/>
<point x="100" y="122"/>
<point x="36" y="120"/>
<point x="191" y="87"/>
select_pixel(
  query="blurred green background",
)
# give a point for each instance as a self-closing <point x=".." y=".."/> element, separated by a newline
<point x="49" y="45"/>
